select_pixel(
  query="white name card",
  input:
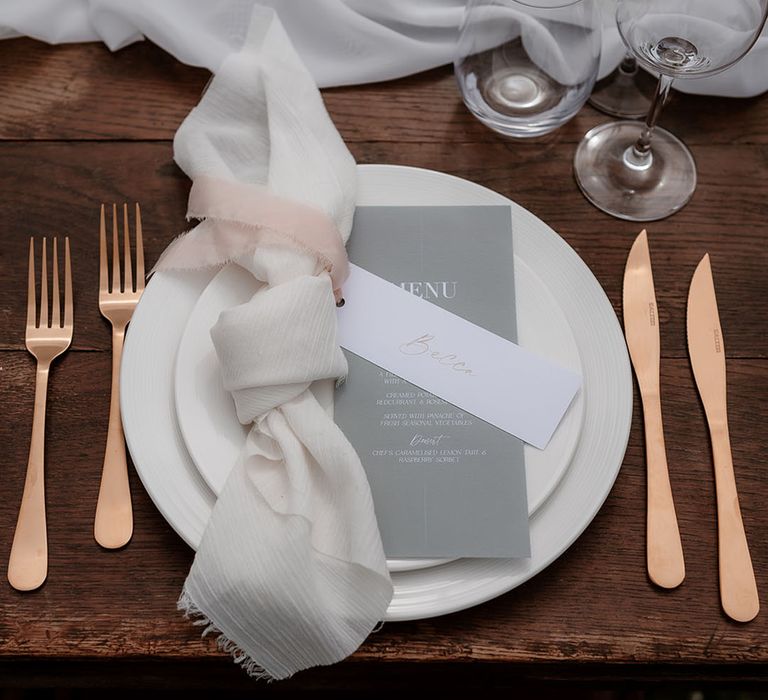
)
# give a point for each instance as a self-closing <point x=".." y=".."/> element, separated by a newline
<point x="468" y="366"/>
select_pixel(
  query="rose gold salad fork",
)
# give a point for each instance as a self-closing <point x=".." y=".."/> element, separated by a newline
<point x="28" y="563"/>
<point x="113" y="525"/>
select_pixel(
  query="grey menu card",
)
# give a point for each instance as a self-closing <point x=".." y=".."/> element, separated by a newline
<point x="444" y="483"/>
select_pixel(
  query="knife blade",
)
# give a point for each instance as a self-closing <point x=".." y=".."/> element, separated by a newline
<point x="664" y="550"/>
<point x="738" y="588"/>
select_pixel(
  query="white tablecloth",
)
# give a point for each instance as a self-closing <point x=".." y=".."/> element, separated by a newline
<point x="342" y="42"/>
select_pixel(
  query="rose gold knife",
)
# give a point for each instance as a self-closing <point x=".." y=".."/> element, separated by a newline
<point x="664" y="551"/>
<point x="738" y="589"/>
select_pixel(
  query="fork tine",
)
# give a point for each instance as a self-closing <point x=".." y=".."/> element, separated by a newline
<point x="31" y="300"/>
<point x="68" y="307"/>
<point x="128" y="275"/>
<point x="139" y="252"/>
<point x="55" y="298"/>
<point x="44" y="286"/>
<point x="115" y="253"/>
<point x="103" y="267"/>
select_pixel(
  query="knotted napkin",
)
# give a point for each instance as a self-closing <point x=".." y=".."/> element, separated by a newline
<point x="290" y="572"/>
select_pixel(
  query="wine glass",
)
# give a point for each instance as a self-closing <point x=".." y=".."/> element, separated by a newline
<point x="525" y="67"/>
<point x="626" y="92"/>
<point x="640" y="172"/>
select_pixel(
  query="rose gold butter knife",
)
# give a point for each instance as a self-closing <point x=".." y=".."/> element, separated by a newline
<point x="738" y="589"/>
<point x="664" y="552"/>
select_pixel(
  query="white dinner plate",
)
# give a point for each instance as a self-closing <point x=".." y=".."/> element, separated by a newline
<point x="214" y="437"/>
<point x="183" y="497"/>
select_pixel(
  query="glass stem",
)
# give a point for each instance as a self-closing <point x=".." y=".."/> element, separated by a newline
<point x="641" y="152"/>
<point x="628" y="65"/>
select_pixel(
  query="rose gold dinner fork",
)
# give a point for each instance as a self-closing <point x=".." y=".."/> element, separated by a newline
<point x="113" y="525"/>
<point x="28" y="563"/>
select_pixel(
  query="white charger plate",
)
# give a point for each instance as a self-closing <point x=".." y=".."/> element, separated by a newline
<point x="183" y="497"/>
<point x="214" y="437"/>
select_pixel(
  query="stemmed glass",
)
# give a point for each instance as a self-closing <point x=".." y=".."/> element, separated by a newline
<point x="625" y="92"/>
<point x="638" y="171"/>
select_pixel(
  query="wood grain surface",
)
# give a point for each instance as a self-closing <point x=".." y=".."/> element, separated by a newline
<point x="79" y="125"/>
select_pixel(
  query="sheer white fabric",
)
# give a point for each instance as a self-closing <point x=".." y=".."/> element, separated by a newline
<point x="342" y="42"/>
<point x="290" y="572"/>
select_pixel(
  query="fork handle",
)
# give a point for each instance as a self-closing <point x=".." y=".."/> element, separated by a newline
<point x="738" y="588"/>
<point x="666" y="566"/>
<point x="28" y="563"/>
<point x="113" y="525"/>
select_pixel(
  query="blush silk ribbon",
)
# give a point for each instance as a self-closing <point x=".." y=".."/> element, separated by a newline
<point x="239" y="217"/>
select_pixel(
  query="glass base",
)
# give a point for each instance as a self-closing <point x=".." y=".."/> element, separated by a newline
<point x="517" y="101"/>
<point x="617" y="184"/>
<point x="624" y="93"/>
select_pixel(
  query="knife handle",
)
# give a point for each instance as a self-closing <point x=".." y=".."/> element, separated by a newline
<point x="738" y="588"/>
<point x="666" y="566"/>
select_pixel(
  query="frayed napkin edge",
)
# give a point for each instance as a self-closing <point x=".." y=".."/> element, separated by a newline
<point x="189" y="608"/>
<point x="198" y="618"/>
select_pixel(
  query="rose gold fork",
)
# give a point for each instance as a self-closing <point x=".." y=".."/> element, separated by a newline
<point x="113" y="525"/>
<point x="28" y="563"/>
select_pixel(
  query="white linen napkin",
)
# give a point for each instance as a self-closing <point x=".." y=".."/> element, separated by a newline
<point x="290" y="572"/>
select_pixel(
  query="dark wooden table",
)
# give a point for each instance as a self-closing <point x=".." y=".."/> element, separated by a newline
<point x="80" y="126"/>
